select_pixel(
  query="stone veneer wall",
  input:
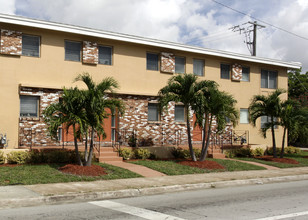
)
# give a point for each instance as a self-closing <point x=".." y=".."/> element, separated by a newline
<point x="11" y="42"/>
<point x="89" y="52"/>
<point x="33" y="130"/>
<point x="165" y="131"/>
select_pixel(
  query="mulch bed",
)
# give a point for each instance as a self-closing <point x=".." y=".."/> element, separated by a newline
<point x="93" y="170"/>
<point x="9" y="165"/>
<point x="305" y="157"/>
<point x="210" y="165"/>
<point x="279" y="160"/>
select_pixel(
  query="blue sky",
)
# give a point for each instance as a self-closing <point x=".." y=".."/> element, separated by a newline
<point x="198" y="22"/>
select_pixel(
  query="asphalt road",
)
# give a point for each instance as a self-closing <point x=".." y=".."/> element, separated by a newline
<point x="267" y="202"/>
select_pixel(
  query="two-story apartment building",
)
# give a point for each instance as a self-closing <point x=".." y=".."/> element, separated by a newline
<point x="39" y="58"/>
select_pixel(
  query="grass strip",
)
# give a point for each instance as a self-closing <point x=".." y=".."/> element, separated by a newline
<point x="49" y="173"/>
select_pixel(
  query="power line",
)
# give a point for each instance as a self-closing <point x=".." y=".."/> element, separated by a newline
<point x="240" y="12"/>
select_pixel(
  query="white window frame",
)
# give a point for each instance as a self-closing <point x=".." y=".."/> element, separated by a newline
<point x="148" y="64"/>
<point x="177" y="65"/>
<point x="157" y="111"/>
<point x="244" y="119"/>
<point x="22" y="113"/>
<point x="267" y="77"/>
<point x="109" y="60"/>
<point x="197" y="62"/>
<point x="175" y="115"/>
<point x="31" y="52"/>
<point x="229" y="71"/>
<point x="66" y="47"/>
<point x="248" y="68"/>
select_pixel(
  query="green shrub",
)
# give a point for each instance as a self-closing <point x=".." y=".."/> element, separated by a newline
<point x="238" y="152"/>
<point x="229" y="153"/>
<point x="132" y="141"/>
<point x="143" y="154"/>
<point x="180" y="153"/>
<point x="143" y="142"/>
<point x="126" y="153"/>
<point x="17" y="157"/>
<point x="269" y="151"/>
<point x="292" y="150"/>
<point x="36" y="157"/>
<point x="257" y="152"/>
<point x="2" y="158"/>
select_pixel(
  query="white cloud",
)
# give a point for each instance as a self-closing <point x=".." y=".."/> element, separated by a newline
<point x="197" y="22"/>
<point x="7" y="6"/>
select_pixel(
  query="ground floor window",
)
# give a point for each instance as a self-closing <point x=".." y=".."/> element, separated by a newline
<point x="179" y="113"/>
<point x="29" y="106"/>
<point x="244" y="116"/>
<point x="153" y="113"/>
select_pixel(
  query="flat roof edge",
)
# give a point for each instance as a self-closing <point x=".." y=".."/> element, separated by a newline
<point x="12" y="19"/>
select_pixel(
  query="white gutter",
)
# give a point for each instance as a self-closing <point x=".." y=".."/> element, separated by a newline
<point x="10" y="19"/>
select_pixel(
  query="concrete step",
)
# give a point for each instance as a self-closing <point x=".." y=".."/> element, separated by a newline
<point x="111" y="158"/>
<point x="216" y="155"/>
<point x="107" y="153"/>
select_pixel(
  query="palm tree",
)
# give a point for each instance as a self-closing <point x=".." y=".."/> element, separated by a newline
<point x="216" y="104"/>
<point x="181" y="88"/>
<point x="70" y="112"/>
<point x="269" y="106"/>
<point x="291" y="119"/>
<point x="96" y="103"/>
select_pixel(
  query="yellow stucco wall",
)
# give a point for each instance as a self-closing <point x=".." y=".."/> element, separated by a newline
<point x="128" y="68"/>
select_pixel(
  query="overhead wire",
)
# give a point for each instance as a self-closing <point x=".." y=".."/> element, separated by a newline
<point x="267" y="23"/>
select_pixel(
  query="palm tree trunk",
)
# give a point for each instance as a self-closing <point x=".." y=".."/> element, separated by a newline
<point x="86" y="146"/>
<point x="283" y="140"/>
<point x="204" y="127"/>
<point x="273" y="139"/>
<point x="191" y="150"/>
<point x="209" y="130"/>
<point x="76" y="147"/>
<point x="89" y="160"/>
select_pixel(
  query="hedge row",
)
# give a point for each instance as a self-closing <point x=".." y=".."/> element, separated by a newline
<point x="37" y="157"/>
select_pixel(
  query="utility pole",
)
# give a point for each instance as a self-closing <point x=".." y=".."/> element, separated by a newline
<point x="254" y="41"/>
<point x="253" y="27"/>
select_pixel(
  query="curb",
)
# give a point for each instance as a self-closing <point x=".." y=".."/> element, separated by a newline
<point x="85" y="197"/>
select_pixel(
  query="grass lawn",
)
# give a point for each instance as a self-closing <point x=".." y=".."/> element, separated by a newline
<point x="48" y="173"/>
<point x="173" y="168"/>
<point x="302" y="161"/>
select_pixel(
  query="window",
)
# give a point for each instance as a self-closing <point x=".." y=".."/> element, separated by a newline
<point x="244" y="116"/>
<point x="198" y="67"/>
<point x="245" y="74"/>
<point x="153" y="113"/>
<point x="104" y="55"/>
<point x="267" y="119"/>
<point x="152" y="61"/>
<point x="179" y="113"/>
<point x="29" y="106"/>
<point x="224" y="71"/>
<point x="269" y="79"/>
<point x="31" y="45"/>
<point x="72" y="51"/>
<point x="180" y="64"/>
<point x="113" y="120"/>
<point x="60" y="131"/>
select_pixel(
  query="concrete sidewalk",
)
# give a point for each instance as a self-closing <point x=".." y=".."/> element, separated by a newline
<point x="42" y="194"/>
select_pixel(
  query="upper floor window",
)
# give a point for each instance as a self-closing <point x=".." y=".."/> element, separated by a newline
<point x="153" y="113"/>
<point x="244" y="116"/>
<point x="152" y="61"/>
<point x="198" y="66"/>
<point x="180" y="64"/>
<point x="179" y="113"/>
<point x="269" y="79"/>
<point x="224" y="71"/>
<point x="267" y="119"/>
<point x="104" y="55"/>
<point x="72" y="50"/>
<point x="30" y="45"/>
<point x="29" y="106"/>
<point x="245" y="74"/>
